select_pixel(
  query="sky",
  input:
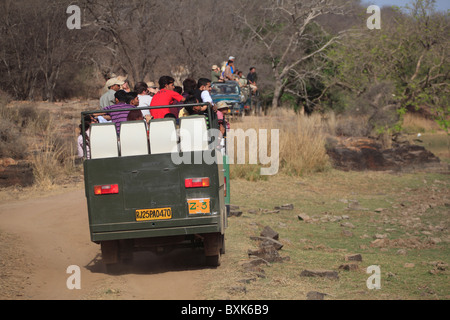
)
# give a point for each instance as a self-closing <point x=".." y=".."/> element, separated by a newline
<point x="441" y="5"/>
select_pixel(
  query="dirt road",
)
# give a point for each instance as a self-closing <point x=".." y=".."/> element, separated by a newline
<point x="40" y="238"/>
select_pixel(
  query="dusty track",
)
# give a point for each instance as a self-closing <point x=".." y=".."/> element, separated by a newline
<point x="40" y="238"/>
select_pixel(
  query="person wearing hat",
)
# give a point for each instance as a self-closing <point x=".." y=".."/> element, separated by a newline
<point x="215" y="73"/>
<point x="222" y="109"/>
<point x="152" y="88"/>
<point x="108" y="98"/>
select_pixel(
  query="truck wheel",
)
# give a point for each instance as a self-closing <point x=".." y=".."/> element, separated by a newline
<point x="222" y="248"/>
<point x="213" y="243"/>
<point x="213" y="261"/>
<point x="110" y="256"/>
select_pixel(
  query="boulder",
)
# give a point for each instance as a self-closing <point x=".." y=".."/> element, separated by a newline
<point x="269" y="233"/>
<point x="359" y="154"/>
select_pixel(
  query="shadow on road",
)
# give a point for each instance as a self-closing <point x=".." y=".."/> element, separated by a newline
<point x="150" y="263"/>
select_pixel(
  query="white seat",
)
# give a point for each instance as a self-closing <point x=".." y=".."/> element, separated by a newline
<point x="163" y="136"/>
<point x="193" y="134"/>
<point x="133" y="138"/>
<point x="103" y="140"/>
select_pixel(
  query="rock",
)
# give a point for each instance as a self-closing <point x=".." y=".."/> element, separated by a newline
<point x="252" y="263"/>
<point x="409" y="265"/>
<point x="13" y="173"/>
<point x="286" y="207"/>
<point x="314" y="295"/>
<point x="303" y="217"/>
<point x="401" y="252"/>
<point x="265" y="241"/>
<point x="354" y="205"/>
<point x="268" y="253"/>
<point x="320" y="273"/>
<point x="347" y="233"/>
<point x="247" y="280"/>
<point x="268" y="211"/>
<point x="379" y="209"/>
<point x="349" y="267"/>
<point x="353" y="257"/>
<point x="269" y="233"/>
<point x="235" y="213"/>
<point x="380" y="236"/>
<point x="237" y="289"/>
<point x="368" y="154"/>
<point x="347" y="225"/>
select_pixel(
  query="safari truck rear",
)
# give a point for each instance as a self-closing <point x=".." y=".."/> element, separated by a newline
<point x="155" y="187"/>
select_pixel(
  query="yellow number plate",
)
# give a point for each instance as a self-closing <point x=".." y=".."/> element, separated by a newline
<point x="154" y="214"/>
<point x="199" y="206"/>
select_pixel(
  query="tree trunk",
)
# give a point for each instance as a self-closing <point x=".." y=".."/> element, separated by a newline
<point x="277" y="94"/>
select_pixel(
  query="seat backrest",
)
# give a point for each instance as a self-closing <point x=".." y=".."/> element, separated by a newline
<point x="163" y="136"/>
<point x="133" y="138"/>
<point x="193" y="133"/>
<point x="103" y="140"/>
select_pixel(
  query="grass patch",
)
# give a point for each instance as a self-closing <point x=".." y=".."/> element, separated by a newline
<point x="409" y="211"/>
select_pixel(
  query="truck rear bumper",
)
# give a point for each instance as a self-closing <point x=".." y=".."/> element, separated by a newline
<point x="115" y="232"/>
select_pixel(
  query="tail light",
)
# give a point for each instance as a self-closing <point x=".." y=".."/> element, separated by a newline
<point x="225" y="187"/>
<point x="196" y="182"/>
<point x="106" y="189"/>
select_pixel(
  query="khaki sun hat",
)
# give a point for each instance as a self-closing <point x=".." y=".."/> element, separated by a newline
<point x="114" y="81"/>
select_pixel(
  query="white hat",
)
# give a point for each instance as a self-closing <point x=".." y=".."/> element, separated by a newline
<point x="231" y="58"/>
<point x="114" y="81"/>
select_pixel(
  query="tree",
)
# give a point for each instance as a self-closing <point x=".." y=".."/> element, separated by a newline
<point x="409" y="52"/>
<point x="290" y="35"/>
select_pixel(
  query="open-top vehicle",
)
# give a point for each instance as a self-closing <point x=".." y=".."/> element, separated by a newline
<point x="156" y="188"/>
<point x="230" y="92"/>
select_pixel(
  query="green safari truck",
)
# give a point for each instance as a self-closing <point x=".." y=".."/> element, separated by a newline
<point x="156" y="186"/>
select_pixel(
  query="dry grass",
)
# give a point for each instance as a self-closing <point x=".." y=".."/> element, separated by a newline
<point x="301" y="143"/>
<point x="37" y="135"/>
<point x="413" y="123"/>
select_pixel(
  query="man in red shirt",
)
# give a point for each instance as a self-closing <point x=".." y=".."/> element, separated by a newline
<point x="165" y="96"/>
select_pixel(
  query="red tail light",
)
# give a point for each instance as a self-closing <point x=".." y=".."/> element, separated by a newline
<point x="196" y="182"/>
<point x="106" y="189"/>
<point x="225" y="187"/>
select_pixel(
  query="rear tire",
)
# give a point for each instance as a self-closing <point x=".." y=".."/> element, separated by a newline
<point x="213" y="261"/>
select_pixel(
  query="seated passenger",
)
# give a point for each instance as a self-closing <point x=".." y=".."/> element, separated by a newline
<point x="122" y="99"/>
<point x="166" y="96"/>
<point x="88" y="119"/>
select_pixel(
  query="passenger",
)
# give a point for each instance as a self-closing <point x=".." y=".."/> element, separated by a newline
<point x="108" y="98"/>
<point x="133" y="99"/>
<point x="135" y="115"/>
<point x="215" y="74"/>
<point x="228" y="73"/>
<point x="189" y="87"/>
<point x="144" y="98"/>
<point x="88" y="120"/>
<point x="126" y="84"/>
<point x="222" y="110"/>
<point x="166" y="96"/>
<point x="122" y="99"/>
<point x="152" y="88"/>
<point x="191" y="110"/>
<point x="252" y="78"/>
<point x="204" y="85"/>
